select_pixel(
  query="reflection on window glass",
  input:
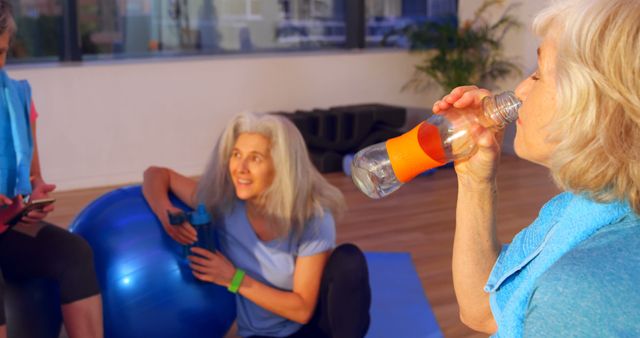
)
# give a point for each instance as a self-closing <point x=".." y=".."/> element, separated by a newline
<point x="312" y="23"/>
<point x="156" y="27"/>
<point x="38" y="37"/>
<point x="384" y="16"/>
<point x="132" y="28"/>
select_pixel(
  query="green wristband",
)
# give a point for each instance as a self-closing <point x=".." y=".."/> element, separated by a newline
<point x="236" y="281"/>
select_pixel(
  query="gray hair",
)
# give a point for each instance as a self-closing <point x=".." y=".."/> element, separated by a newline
<point x="7" y="23"/>
<point x="298" y="192"/>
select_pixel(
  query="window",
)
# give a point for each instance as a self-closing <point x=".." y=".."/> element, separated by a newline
<point x="384" y="16"/>
<point x="39" y="35"/>
<point x="151" y="28"/>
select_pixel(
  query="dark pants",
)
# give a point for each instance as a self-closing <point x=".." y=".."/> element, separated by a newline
<point x="46" y="251"/>
<point x="344" y="299"/>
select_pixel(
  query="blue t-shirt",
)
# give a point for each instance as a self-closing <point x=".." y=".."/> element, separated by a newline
<point x="593" y="290"/>
<point x="271" y="263"/>
<point x="563" y="223"/>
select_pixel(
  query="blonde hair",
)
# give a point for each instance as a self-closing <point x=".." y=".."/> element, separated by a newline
<point x="298" y="192"/>
<point x="598" y="97"/>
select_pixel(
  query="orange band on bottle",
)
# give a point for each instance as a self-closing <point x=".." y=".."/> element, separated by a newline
<point x="408" y="157"/>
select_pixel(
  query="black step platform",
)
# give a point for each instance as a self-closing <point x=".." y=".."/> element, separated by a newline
<point x="332" y="133"/>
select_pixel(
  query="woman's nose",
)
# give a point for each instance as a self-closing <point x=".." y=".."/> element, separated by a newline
<point x="244" y="165"/>
<point x="523" y="89"/>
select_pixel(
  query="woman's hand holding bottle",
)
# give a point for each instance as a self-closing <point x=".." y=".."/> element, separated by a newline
<point x="183" y="233"/>
<point x="467" y="119"/>
<point x="481" y="167"/>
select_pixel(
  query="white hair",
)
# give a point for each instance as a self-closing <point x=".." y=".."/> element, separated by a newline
<point x="298" y="191"/>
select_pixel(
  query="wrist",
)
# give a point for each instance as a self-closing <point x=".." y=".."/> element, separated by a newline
<point x="36" y="180"/>
<point x="472" y="184"/>
<point x="161" y="206"/>
<point x="236" y="281"/>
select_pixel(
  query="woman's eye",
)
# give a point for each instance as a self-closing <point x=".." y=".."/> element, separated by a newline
<point x="535" y="76"/>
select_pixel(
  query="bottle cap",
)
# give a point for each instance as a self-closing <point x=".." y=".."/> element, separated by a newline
<point x="502" y="108"/>
<point x="200" y="215"/>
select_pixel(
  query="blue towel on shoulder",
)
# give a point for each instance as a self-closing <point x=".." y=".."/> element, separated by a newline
<point x="16" y="142"/>
<point x="563" y="223"/>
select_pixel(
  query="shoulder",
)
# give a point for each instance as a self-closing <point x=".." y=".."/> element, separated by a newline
<point x="319" y="234"/>
<point x="20" y="87"/>
<point x="325" y="218"/>
<point x="20" y="84"/>
<point x="322" y="222"/>
<point x="592" y="289"/>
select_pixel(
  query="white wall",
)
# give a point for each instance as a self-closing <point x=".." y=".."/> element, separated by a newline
<point x="520" y="45"/>
<point x="104" y="123"/>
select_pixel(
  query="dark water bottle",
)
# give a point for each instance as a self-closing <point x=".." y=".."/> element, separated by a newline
<point x="201" y="220"/>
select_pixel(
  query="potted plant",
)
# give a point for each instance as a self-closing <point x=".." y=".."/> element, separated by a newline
<point x="455" y="56"/>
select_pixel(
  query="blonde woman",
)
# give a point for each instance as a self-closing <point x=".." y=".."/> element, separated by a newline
<point x="574" y="270"/>
<point x="277" y="235"/>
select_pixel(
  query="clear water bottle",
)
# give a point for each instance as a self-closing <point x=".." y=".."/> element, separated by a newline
<point x="382" y="168"/>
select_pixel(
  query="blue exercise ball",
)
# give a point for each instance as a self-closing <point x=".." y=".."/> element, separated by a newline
<point x="346" y="163"/>
<point x="148" y="289"/>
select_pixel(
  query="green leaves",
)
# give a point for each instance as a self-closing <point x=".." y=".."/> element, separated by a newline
<point x="471" y="53"/>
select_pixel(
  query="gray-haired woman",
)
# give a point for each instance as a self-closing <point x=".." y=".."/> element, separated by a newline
<point x="277" y="233"/>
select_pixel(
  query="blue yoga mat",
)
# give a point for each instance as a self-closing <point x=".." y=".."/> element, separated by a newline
<point x="399" y="307"/>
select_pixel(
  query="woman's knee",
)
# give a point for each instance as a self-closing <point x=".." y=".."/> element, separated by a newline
<point x="72" y="264"/>
<point x="68" y="249"/>
<point x="348" y="260"/>
<point x="81" y="251"/>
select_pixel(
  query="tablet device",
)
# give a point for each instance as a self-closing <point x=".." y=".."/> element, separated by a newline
<point x="29" y="207"/>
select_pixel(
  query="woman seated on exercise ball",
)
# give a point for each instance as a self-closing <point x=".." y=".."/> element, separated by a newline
<point x="277" y="233"/>
<point x="33" y="248"/>
<point x="574" y="271"/>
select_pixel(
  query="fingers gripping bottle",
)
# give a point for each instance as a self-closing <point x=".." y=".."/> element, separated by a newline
<point x="201" y="222"/>
<point x="382" y="168"/>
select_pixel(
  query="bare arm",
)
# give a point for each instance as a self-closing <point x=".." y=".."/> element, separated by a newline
<point x="40" y="189"/>
<point x="475" y="247"/>
<point x="36" y="173"/>
<point x="475" y="250"/>
<point x="156" y="185"/>
<point x="296" y="305"/>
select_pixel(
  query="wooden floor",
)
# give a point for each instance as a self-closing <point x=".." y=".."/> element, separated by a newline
<point x="418" y="218"/>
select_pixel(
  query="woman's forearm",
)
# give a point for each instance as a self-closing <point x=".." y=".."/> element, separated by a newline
<point x="155" y="188"/>
<point x="36" y="173"/>
<point x="475" y="251"/>
<point x="287" y="304"/>
<point x="296" y="305"/>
